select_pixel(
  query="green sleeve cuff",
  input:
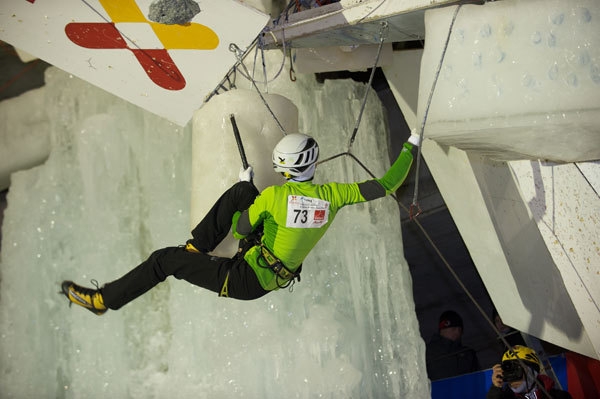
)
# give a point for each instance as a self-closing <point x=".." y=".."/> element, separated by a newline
<point x="397" y="173"/>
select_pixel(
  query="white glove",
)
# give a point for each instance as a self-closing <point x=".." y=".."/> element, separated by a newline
<point x="246" y="174"/>
<point x="414" y="138"/>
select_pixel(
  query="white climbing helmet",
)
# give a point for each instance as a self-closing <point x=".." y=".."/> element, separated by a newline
<point x="295" y="156"/>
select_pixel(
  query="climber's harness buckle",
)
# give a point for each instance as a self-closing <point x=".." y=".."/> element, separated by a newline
<point x="277" y="266"/>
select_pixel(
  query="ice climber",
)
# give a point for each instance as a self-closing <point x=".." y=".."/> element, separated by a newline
<point x="277" y="229"/>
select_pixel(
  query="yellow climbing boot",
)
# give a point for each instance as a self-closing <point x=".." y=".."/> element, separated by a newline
<point x="89" y="298"/>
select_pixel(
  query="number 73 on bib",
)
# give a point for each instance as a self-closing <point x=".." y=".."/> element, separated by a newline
<point x="306" y="212"/>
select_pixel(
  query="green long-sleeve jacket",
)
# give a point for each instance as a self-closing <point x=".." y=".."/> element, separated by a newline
<point x="296" y="215"/>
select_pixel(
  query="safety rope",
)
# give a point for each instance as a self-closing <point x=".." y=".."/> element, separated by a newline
<point x="415" y="203"/>
<point x="240" y="57"/>
<point x="382" y="33"/>
<point x="260" y="47"/>
<point x="292" y="71"/>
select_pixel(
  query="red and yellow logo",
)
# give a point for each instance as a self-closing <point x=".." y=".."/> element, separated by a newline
<point x="157" y="63"/>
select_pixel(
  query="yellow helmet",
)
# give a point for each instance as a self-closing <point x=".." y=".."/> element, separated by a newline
<point x="524" y="353"/>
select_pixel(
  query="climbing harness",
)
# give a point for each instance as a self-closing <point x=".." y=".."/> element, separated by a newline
<point x="284" y="277"/>
<point x="225" y="288"/>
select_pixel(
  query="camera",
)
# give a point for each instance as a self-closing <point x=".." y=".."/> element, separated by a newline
<point x="511" y="371"/>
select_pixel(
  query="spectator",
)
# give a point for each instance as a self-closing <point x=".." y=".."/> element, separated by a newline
<point x="519" y="376"/>
<point x="512" y="336"/>
<point x="445" y="354"/>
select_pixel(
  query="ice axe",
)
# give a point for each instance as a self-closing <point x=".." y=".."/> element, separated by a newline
<point x="238" y="139"/>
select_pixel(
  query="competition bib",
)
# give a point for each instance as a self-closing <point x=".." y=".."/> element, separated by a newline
<point x="306" y="212"/>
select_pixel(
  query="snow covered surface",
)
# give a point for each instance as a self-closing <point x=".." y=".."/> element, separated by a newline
<point x="115" y="187"/>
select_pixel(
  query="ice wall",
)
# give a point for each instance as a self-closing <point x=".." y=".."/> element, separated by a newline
<point x="25" y="145"/>
<point x="112" y="189"/>
<point x="116" y="186"/>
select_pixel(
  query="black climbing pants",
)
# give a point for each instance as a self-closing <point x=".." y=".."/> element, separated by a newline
<point x="198" y="268"/>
